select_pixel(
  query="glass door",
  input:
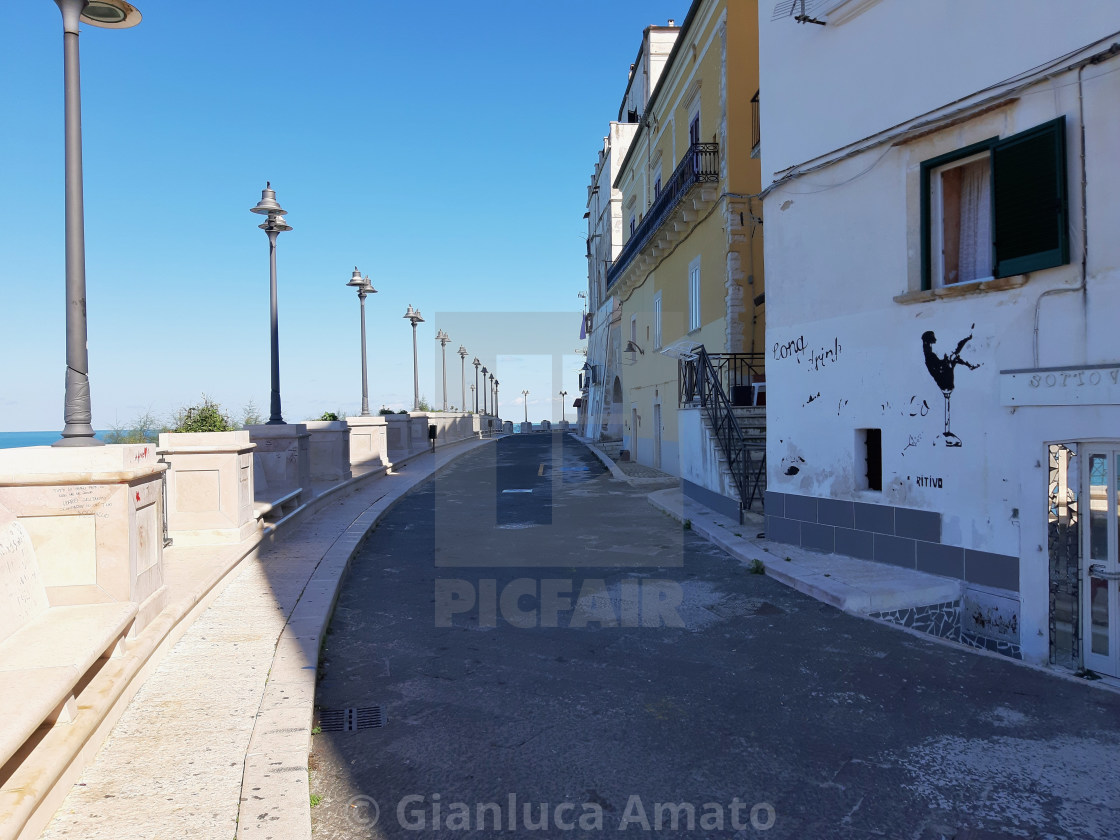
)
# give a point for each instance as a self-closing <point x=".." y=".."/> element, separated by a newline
<point x="1101" y="550"/>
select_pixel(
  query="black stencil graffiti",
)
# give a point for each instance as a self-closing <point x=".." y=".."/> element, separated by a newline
<point x="941" y="368"/>
<point x="812" y="398"/>
<point x="912" y="440"/>
<point x="916" y="410"/>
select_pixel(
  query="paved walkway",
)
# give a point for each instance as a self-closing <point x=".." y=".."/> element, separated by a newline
<point x="174" y="763"/>
<point x="745" y="699"/>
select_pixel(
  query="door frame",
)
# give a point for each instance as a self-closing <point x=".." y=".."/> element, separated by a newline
<point x="1107" y="663"/>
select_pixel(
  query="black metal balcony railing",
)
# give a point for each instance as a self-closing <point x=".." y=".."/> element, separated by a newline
<point x="700" y="164"/>
<point x="736" y="373"/>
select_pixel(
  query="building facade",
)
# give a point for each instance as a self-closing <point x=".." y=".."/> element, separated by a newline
<point x="689" y="273"/>
<point x="601" y="382"/>
<point x="940" y="333"/>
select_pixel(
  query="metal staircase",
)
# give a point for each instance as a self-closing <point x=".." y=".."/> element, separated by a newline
<point x="739" y="431"/>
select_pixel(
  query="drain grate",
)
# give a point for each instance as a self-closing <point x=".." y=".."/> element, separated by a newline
<point x="350" y="720"/>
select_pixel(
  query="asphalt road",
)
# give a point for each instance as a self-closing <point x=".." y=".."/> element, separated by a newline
<point x="533" y="631"/>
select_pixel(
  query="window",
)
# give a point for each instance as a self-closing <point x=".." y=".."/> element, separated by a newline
<point x="873" y="457"/>
<point x="694" y="295"/>
<point x="634" y="328"/>
<point x="657" y="186"/>
<point x="694" y="129"/>
<point x="657" y="321"/>
<point x="996" y="208"/>
<point x="633" y="224"/>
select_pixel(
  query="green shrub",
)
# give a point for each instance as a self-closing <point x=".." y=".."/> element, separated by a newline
<point x="207" y="417"/>
<point x="329" y="416"/>
<point x="143" y="429"/>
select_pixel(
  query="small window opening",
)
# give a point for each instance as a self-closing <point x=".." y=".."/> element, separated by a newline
<point x="873" y="454"/>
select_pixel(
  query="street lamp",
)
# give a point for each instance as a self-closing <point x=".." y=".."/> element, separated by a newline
<point x="474" y="388"/>
<point x="496" y="412"/>
<point x="364" y="288"/>
<point x="525" y="394"/>
<point x="493" y="402"/>
<point x="443" y="339"/>
<point x="413" y="315"/>
<point x="463" y="372"/>
<point x="563" y="407"/>
<point x="487" y="387"/>
<point x="77" y="411"/>
<point x="273" y="226"/>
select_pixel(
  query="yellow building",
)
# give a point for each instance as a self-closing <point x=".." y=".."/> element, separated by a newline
<point x="690" y="269"/>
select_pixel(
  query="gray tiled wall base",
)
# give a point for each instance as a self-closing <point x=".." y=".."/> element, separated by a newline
<point x="883" y="533"/>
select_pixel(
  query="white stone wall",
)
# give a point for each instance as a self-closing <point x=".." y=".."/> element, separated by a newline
<point x="845" y="317"/>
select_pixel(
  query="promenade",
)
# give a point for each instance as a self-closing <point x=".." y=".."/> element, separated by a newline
<point x="636" y="667"/>
<point x="199" y="728"/>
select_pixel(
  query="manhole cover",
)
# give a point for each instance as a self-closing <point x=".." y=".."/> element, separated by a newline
<point x="350" y="720"/>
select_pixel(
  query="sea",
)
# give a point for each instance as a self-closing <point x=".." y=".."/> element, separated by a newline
<point x="14" y="440"/>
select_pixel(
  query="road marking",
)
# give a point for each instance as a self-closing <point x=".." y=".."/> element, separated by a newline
<point x="517" y="491"/>
<point x="541" y="470"/>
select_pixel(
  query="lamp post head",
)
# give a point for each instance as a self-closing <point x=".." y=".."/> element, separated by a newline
<point x="462" y="352"/>
<point x="275" y="223"/>
<point x="356" y="279"/>
<point x="110" y="14"/>
<point x="268" y="206"/>
<point x="476" y="363"/>
<point x="443" y="338"/>
<point x="413" y="315"/>
<point x="484" y="371"/>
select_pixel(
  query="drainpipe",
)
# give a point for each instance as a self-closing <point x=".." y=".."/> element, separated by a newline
<point x="1081" y="287"/>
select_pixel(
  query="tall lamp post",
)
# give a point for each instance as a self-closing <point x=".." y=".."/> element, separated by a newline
<point x="563" y="407"/>
<point x="463" y="372"/>
<point x="77" y="411"/>
<point x="474" y="388"/>
<point x="496" y="412"/>
<point x="273" y="226"/>
<point x="443" y="339"/>
<point x="525" y="394"/>
<point x="486" y="388"/>
<point x="364" y="288"/>
<point x="493" y="402"/>
<point x="413" y="315"/>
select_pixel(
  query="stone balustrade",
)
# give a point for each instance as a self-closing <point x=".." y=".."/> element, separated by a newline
<point x="210" y="487"/>
<point x="94" y="516"/>
<point x="330" y="450"/>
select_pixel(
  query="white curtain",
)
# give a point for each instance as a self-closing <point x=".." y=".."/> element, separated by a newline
<point x="975" y="259"/>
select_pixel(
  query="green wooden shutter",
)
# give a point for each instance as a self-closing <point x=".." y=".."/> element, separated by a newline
<point x="1030" y="204"/>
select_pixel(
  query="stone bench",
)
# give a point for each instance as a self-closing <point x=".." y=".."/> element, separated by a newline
<point x="46" y="652"/>
<point x="273" y="510"/>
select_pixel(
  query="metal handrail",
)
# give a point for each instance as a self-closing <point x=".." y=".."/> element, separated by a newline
<point x="747" y="471"/>
<point x="700" y="164"/>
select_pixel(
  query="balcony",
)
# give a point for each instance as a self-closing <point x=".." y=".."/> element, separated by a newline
<point x="699" y="165"/>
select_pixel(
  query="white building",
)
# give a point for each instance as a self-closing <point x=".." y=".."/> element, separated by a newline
<point x="941" y="234"/>
<point x="602" y="403"/>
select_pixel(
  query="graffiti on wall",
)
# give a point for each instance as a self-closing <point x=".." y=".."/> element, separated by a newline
<point x="942" y="369"/>
<point x="814" y="358"/>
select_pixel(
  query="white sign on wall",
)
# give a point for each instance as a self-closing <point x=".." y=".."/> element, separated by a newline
<point x="1090" y="385"/>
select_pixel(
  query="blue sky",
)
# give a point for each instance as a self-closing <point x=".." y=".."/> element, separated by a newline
<point x="443" y="148"/>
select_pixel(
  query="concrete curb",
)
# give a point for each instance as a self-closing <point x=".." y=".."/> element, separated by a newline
<point x="846" y="599"/>
<point x="607" y="462"/>
<point x="275" y="777"/>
